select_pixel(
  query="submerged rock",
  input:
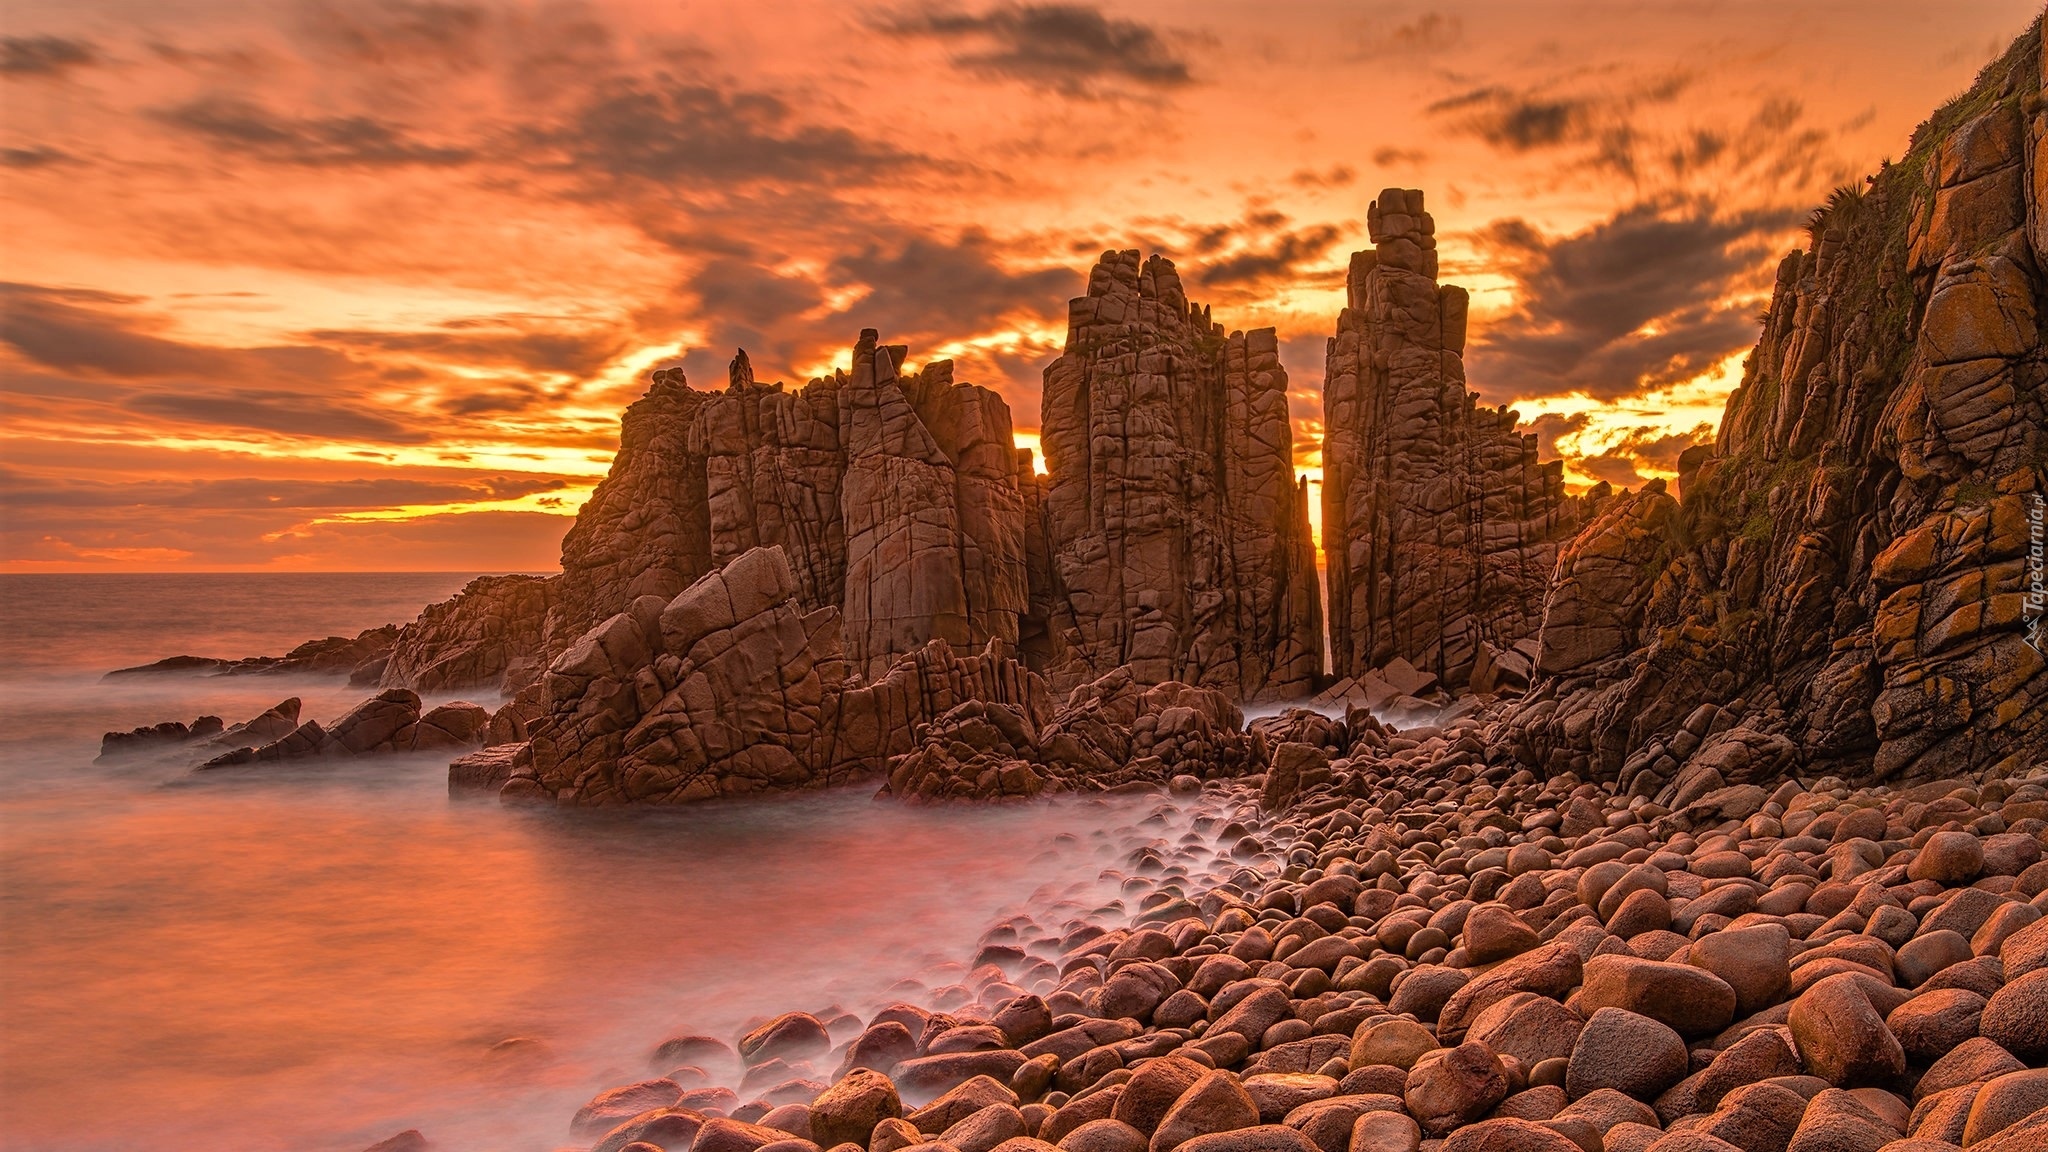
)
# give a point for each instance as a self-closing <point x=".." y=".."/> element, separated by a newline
<point x="155" y="736"/>
<point x="389" y="722"/>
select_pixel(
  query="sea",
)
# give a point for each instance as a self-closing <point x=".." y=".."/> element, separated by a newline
<point x="317" y="957"/>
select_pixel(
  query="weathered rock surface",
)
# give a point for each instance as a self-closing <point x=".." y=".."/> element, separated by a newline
<point x="1419" y="942"/>
<point x="154" y="736"/>
<point x="1841" y="573"/>
<point x="1177" y="535"/>
<point x="897" y="498"/>
<point x="1111" y="732"/>
<point x="361" y="657"/>
<point x="1440" y="526"/>
<point x="732" y="687"/>
<point x="392" y="721"/>
<point x="487" y="636"/>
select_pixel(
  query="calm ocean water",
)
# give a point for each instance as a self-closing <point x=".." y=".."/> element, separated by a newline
<point x="313" y="959"/>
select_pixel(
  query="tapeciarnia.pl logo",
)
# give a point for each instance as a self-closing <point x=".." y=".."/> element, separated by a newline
<point x="2037" y="575"/>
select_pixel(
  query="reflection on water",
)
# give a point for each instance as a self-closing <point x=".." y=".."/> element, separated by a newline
<point x="314" y="958"/>
<point x="319" y="963"/>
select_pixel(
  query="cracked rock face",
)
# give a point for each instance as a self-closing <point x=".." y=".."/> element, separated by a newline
<point x="734" y="687"/>
<point x="645" y="531"/>
<point x="1440" y="526"/>
<point x="1844" y="568"/>
<point x="1110" y="732"/>
<point x="487" y="635"/>
<point x="934" y="518"/>
<point x="897" y="499"/>
<point x="1177" y="537"/>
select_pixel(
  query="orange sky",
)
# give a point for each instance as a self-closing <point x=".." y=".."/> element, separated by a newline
<point x="363" y="285"/>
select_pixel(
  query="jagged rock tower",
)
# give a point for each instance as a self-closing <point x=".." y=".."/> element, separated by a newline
<point x="1440" y="527"/>
<point x="896" y="498"/>
<point x="1177" y="536"/>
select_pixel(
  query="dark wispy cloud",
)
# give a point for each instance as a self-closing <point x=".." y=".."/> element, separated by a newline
<point x="1613" y="467"/>
<point x="285" y="413"/>
<point x="103" y="345"/>
<point x="1659" y="449"/>
<point x="501" y="341"/>
<point x="1549" y="428"/>
<point x="914" y="286"/>
<point x="79" y="330"/>
<point x="678" y="132"/>
<point x="242" y="127"/>
<point x="1646" y="132"/>
<point x="54" y="57"/>
<point x="397" y="32"/>
<point x="1072" y="49"/>
<point x="33" y="156"/>
<point x="1275" y="257"/>
<point x="1649" y="297"/>
<point x="1425" y="35"/>
<point x="928" y="285"/>
<point x="1335" y="176"/>
<point x="1261" y="248"/>
<point x="19" y="488"/>
<point x="1517" y="121"/>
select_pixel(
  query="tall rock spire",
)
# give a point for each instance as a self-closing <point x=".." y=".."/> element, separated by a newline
<point x="1439" y="526"/>
<point x="1177" y="533"/>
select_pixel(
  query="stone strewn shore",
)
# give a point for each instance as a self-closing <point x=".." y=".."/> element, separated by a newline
<point x="1413" y="948"/>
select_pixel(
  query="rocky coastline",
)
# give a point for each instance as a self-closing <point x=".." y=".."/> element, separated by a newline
<point x="1699" y="817"/>
<point x="1418" y="944"/>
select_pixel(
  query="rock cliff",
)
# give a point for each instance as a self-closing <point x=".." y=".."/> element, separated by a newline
<point x="646" y="530"/>
<point x="898" y="500"/>
<point x="1440" y="527"/>
<point x="487" y="635"/>
<point x="1176" y="534"/>
<point x="1838" y="584"/>
<point x="735" y="687"/>
<point x="1843" y="574"/>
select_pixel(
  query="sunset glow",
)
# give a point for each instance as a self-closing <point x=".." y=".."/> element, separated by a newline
<point x="365" y="285"/>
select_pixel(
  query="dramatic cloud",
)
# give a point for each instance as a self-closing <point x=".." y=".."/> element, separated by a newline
<point x="1549" y="428"/>
<point x="46" y="56"/>
<point x="1278" y="255"/>
<point x="1070" y="49"/>
<point x="1658" y="449"/>
<point x="397" y="32"/>
<point x="1337" y="176"/>
<point x="288" y="413"/>
<point x="926" y="287"/>
<point x="1262" y="249"/>
<point x="1612" y="467"/>
<point x="102" y="344"/>
<point x="1553" y="115"/>
<point x="32" y="157"/>
<point x="1429" y="34"/>
<point x="913" y="287"/>
<point x="671" y="131"/>
<point x="418" y="253"/>
<point x="241" y="127"/>
<point x="19" y="490"/>
<point x="80" y="330"/>
<point x="513" y="341"/>
<point x="1654" y="295"/>
<point x="99" y="334"/>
